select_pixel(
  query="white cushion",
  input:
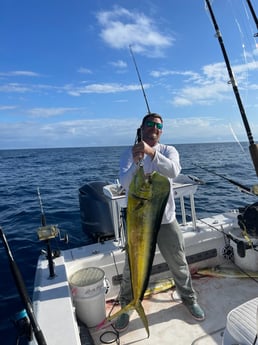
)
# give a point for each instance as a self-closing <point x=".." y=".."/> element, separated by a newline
<point x="242" y="322"/>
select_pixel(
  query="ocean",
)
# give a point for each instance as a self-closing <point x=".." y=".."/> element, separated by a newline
<point x="59" y="173"/>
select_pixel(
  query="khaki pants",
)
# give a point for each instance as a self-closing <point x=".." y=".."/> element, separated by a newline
<point x="171" y="245"/>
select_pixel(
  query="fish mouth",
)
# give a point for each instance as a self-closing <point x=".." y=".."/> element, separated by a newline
<point x="144" y="190"/>
<point x="140" y="197"/>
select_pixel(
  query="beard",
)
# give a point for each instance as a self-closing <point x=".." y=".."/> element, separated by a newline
<point x="151" y="139"/>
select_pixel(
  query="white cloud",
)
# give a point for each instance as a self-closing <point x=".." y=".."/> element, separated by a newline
<point x="19" y="73"/>
<point x="70" y="89"/>
<point x="119" y="64"/>
<point x="122" y="28"/>
<point x="76" y="132"/>
<point x="7" y="107"/>
<point x="165" y="73"/>
<point x="84" y="70"/>
<point x="50" y="112"/>
<point x="26" y="88"/>
<point x="15" y="87"/>
<point x="205" y="94"/>
<point x="208" y="86"/>
<point x="102" y="88"/>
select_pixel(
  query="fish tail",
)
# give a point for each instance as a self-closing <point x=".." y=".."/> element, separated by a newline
<point x="139" y="308"/>
<point x="125" y="309"/>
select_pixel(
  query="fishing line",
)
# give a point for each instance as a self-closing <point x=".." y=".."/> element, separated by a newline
<point x="248" y="28"/>
<point x="253" y="15"/>
<point x="114" y="334"/>
<point x="254" y="35"/>
<point x="116" y="301"/>
<point x="246" y="54"/>
<point x="228" y="236"/>
<point x="249" y="36"/>
<point x="244" y="189"/>
<point x="236" y="138"/>
<point x="245" y="72"/>
<point x="246" y="36"/>
<point x="221" y="230"/>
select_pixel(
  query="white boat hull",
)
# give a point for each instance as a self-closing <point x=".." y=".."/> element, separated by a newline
<point x="207" y="247"/>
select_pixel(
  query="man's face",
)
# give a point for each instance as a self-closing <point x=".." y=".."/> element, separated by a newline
<point x="152" y="130"/>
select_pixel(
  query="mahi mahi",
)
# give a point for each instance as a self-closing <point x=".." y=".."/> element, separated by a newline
<point x="147" y="198"/>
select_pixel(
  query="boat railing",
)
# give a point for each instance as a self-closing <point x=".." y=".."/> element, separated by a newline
<point x="186" y="186"/>
<point x="118" y="202"/>
<point x="183" y="186"/>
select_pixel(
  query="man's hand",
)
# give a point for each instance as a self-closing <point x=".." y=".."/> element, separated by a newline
<point x="140" y="149"/>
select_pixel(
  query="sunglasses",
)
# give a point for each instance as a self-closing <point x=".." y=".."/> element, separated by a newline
<point x="154" y="124"/>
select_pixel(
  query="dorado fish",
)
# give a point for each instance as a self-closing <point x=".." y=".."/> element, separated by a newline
<point x="147" y="198"/>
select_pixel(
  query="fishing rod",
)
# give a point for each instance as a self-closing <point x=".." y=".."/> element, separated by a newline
<point x="43" y="217"/>
<point x="45" y="233"/>
<point x="245" y="189"/>
<point x="253" y="15"/>
<point x="23" y="292"/>
<point x="139" y="130"/>
<point x="253" y="148"/>
<point x="139" y="77"/>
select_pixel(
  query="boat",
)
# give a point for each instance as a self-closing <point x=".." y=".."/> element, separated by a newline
<point x="77" y="289"/>
<point x="73" y="297"/>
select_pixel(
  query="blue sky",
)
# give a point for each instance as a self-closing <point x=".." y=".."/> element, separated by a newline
<point x="67" y="78"/>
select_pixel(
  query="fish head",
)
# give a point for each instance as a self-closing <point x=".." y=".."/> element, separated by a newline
<point x="141" y="186"/>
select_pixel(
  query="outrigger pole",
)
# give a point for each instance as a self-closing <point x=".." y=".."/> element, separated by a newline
<point x="23" y="292"/>
<point x="254" y="15"/>
<point x="253" y="148"/>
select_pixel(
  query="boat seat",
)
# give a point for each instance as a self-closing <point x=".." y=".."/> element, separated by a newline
<point x="241" y="327"/>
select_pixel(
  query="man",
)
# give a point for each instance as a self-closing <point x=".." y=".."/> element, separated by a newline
<point x="165" y="160"/>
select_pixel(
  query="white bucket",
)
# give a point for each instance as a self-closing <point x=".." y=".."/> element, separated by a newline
<point x="87" y="286"/>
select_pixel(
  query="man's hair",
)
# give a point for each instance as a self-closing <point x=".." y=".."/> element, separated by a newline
<point x="151" y="115"/>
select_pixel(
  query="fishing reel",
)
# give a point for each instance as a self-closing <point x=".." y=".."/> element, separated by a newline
<point x="48" y="232"/>
<point x="23" y="325"/>
<point x="228" y="252"/>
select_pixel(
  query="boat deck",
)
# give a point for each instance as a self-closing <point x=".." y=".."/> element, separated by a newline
<point x="171" y="323"/>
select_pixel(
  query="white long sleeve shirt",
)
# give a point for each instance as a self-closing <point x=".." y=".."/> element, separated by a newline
<point x="165" y="161"/>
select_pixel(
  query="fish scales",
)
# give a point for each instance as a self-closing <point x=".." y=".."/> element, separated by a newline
<point x="147" y="198"/>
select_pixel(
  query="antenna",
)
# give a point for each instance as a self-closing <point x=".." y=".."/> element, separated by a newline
<point x="139" y="77"/>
